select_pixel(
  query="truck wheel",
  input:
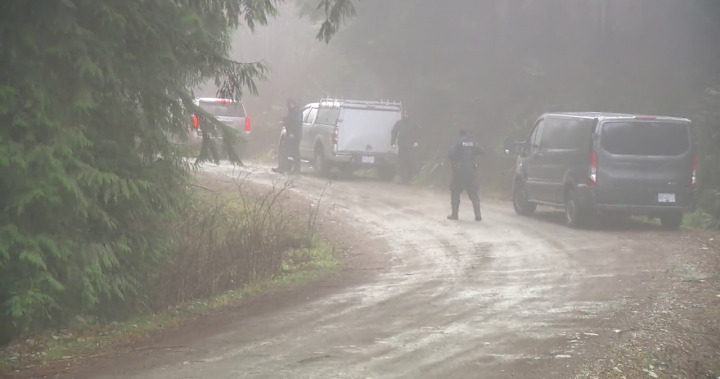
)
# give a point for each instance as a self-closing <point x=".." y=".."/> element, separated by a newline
<point x="321" y="166"/>
<point x="520" y="202"/>
<point x="387" y="173"/>
<point x="671" y="221"/>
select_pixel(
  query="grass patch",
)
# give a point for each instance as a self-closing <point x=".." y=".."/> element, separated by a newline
<point x="701" y="220"/>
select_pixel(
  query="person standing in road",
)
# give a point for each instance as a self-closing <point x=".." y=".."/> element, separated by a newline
<point x="405" y="137"/>
<point x="291" y="143"/>
<point x="464" y="174"/>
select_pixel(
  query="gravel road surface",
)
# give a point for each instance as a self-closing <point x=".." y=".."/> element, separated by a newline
<point x="509" y="297"/>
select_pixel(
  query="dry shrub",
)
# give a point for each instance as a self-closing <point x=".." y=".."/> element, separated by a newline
<point x="227" y="240"/>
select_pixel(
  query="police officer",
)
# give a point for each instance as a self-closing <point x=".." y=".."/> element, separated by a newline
<point x="464" y="174"/>
<point x="405" y="136"/>
<point x="291" y="144"/>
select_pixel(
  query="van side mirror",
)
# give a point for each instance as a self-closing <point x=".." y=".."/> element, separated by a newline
<point x="512" y="147"/>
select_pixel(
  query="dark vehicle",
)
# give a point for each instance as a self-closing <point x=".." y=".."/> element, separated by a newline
<point x="609" y="163"/>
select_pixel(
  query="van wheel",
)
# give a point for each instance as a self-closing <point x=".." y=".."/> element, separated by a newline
<point x="321" y="166"/>
<point x="671" y="221"/>
<point x="387" y="173"/>
<point x="522" y="206"/>
<point x="575" y="216"/>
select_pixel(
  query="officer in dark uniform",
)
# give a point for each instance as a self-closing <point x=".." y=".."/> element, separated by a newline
<point x="464" y="174"/>
<point x="291" y="144"/>
<point x="405" y="135"/>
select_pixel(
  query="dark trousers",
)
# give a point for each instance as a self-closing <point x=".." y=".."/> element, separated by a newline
<point x="464" y="180"/>
<point x="406" y="163"/>
<point x="290" y="149"/>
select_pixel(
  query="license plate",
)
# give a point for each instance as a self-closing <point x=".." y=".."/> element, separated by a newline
<point x="368" y="159"/>
<point x="666" y="198"/>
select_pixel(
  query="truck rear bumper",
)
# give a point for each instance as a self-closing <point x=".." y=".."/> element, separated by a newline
<point x="359" y="160"/>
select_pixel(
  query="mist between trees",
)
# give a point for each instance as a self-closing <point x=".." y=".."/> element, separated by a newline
<point x="494" y="66"/>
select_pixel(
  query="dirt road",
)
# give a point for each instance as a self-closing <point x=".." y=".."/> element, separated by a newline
<point x="510" y="297"/>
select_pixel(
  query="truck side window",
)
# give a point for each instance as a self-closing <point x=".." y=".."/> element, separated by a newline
<point x="328" y="116"/>
<point x="312" y="116"/>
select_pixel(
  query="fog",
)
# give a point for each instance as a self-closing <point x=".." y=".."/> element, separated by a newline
<point x="490" y="66"/>
<point x="558" y="199"/>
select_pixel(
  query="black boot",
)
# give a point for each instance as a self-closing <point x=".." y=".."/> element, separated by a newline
<point x="476" y="208"/>
<point x="454" y="214"/>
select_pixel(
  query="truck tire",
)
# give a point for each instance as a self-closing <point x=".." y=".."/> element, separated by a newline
<point x="321" y="166"/>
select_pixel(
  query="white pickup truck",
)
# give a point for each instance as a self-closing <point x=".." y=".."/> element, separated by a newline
<point x="349" y="135"/>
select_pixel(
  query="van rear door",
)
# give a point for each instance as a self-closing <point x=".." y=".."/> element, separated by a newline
<point x="645" y="162"/>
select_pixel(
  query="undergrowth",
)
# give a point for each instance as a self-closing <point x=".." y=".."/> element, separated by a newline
<point x="231" y="242"/>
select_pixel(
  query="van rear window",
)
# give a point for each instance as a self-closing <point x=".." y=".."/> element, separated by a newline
<point x="645" y="138"/>
<point x="218" y="109"/>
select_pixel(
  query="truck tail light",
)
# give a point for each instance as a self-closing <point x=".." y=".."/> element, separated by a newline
<point x="196" y="121"/>
<point x="334" y="138"/>
<point x="247" y="124"/>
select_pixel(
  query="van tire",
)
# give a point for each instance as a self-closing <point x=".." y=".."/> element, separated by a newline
<point x="522" y="206"/>
<point x="575" y="215"/>
<point x="321" y="166"/>
<point x="671" y="221"/>
<point x="387" y="173"/>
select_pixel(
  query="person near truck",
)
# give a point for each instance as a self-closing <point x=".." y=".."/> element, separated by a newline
<point x="405" y="137"/>
<point x="291" y="143"/>
<point x="464" y="174"/>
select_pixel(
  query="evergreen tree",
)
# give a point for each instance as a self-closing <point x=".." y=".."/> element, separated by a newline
<point x="94" y="95"/>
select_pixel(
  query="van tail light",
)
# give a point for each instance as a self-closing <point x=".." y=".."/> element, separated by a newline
<point x="196" y="121"/>
<point x="247" y="124"/>
<point x="592" y="178"/>
<point x="694" y="172"/>
<point x="334" y="138"/>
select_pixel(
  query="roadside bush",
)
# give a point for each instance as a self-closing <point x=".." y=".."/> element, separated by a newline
<point x="706" y="118"/>
<point x="226" y="240"/>
<point x="223" y="238"/>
